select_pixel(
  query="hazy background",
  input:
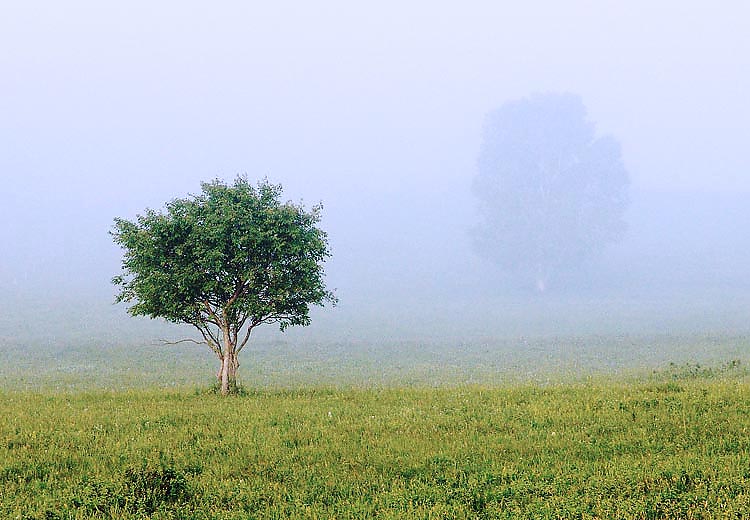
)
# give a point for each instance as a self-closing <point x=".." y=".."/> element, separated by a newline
<point x="109" y="108"/>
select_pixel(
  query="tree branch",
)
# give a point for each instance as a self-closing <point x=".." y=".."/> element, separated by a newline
<point x="217" y="321"/>
<point x="187" y="340"/>
<point x="216" y="341"/>
<point x="211" y="341"/>
<point x="274" y="318"/>
<point x="237" y="294"/>
<point x="247" y="335"/>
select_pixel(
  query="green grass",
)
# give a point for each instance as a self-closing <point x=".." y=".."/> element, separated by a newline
<point x="674" y="444"/>
<point x="557" y="427"/>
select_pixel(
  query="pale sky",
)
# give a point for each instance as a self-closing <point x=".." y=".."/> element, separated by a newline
<point x="111" y="96"/>
<point x="109" y="107"/>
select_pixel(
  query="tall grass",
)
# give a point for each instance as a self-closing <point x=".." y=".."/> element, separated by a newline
<point x="674" y="444"/>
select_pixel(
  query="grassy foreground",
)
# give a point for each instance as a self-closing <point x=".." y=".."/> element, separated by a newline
<point x="672" y="446"/>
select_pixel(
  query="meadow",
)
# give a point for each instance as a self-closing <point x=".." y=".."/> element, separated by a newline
<point x="481" y="431"/>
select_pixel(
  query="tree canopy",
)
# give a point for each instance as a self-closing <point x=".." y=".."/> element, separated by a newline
<point x="225" y="261"/>
<point x="551" y="191"/>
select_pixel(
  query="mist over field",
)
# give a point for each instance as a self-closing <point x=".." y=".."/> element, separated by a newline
<point x="378" y="113"/>
<point x="538" y="238"/>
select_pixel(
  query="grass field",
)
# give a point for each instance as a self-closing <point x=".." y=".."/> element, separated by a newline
<point x="144" y="439"/>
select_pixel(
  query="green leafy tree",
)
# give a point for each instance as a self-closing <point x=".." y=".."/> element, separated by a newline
<point x="551" y="191"/>
<point x="225" y="261"/>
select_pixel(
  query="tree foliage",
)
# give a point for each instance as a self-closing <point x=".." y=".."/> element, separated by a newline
<point x="225" y="261"/>
<point x="551" y="191"/>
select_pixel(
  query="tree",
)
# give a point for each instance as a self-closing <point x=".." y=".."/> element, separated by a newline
<point x="225" y="261"/>
<point x="551" y="192"/>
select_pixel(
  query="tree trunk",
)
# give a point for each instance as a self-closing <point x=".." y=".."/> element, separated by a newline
<point x="228" y="372"/>
<point x="229" y="366"/>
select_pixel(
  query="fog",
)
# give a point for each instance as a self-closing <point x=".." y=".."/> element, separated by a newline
<point x="378" y="112"/>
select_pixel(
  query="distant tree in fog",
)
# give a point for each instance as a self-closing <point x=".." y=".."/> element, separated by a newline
<point x="225" y="261"/>
<point x="551" y="191"/>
